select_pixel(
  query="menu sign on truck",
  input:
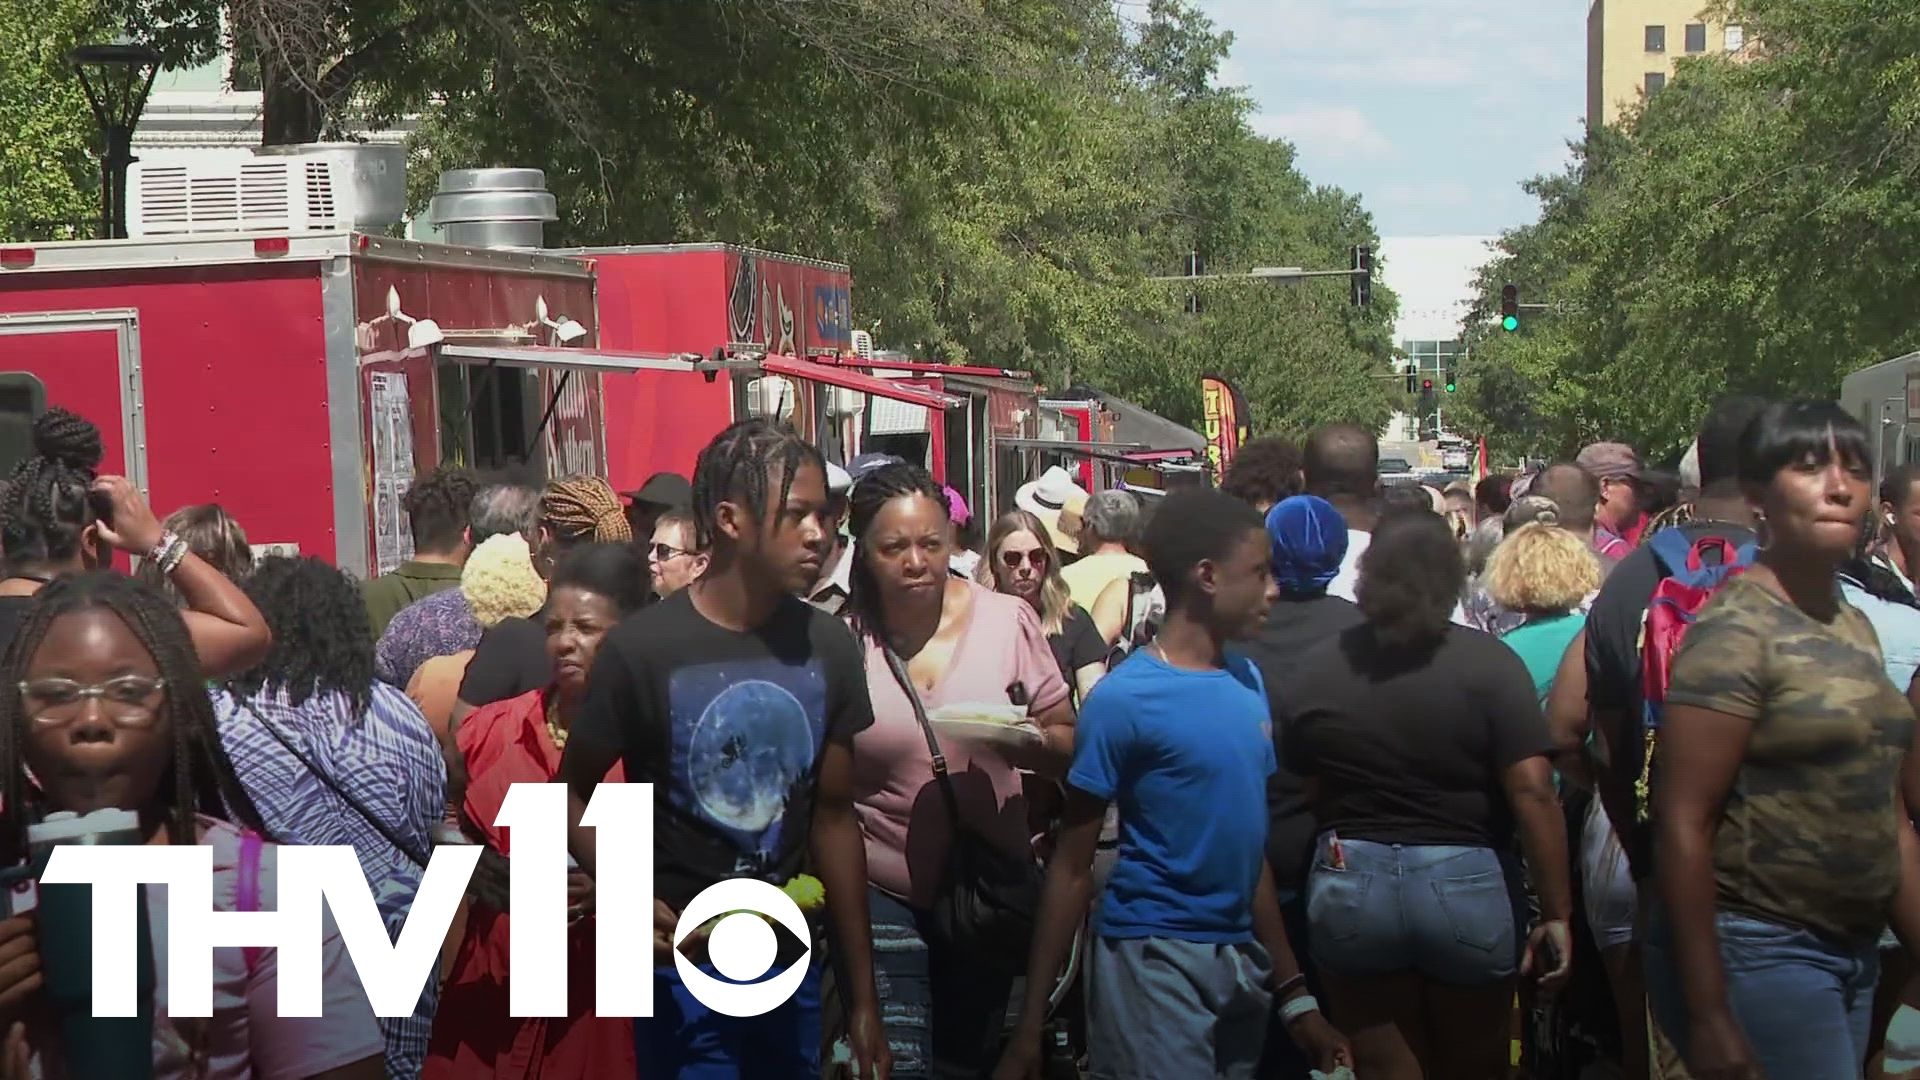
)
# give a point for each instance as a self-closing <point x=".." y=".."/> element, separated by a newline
<point x="392" y="468"/>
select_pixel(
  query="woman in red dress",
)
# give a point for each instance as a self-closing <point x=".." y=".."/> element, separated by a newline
<point x="518" y="741"/>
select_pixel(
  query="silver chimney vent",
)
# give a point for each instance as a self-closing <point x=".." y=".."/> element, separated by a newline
<point x="493" y="208"/>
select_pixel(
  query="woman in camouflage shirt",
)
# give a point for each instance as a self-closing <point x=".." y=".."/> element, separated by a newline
<point x="1782" y="845"/>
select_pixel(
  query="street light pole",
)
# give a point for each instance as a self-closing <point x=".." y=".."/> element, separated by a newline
<point x="117" y="77"/>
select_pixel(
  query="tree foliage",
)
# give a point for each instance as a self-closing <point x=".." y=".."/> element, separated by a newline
<point x="1747" y="230"/>
<point x="1004" y="176"/>
<point x="48" y="182"/>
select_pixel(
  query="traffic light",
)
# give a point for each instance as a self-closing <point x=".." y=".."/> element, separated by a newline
<point x="1360" y="285"/>
<point x="1427" y="385"/>
<point x="1510" y="307"/>
<point x="1450" y="385"/>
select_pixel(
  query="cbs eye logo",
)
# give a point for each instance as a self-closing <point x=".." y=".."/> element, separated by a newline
<point x="742" y="947"/>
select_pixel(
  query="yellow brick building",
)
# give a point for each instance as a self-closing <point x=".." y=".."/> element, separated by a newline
<point x="1632" y="46"/>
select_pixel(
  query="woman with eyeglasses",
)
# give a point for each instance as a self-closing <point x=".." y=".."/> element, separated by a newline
<point x="519" y="741"/>
<point x="1021" y="561"/>
<point x="105" y="707"/>
<point x="674" y="556"/>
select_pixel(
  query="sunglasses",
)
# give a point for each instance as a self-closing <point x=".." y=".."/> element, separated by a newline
<point x="666" y="552"/>
<point x="1035" y="557"/>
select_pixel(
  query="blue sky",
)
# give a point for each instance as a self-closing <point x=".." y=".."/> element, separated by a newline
<point x="1433" y="111"/>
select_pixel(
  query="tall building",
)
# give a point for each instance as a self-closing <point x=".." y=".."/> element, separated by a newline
<point x="1632" y="46"/>
<point x="1434" y="277"/>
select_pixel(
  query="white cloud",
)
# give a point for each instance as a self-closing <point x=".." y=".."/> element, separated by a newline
<point x="1336" y="133"/>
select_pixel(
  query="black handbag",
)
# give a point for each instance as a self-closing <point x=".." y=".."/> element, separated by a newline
<point x="988" y="899"/>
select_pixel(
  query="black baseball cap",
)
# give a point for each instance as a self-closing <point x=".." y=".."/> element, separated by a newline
<point x="670" y="490"/>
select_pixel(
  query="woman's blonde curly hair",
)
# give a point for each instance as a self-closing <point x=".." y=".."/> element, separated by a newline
<point x="1541" y="568"/>
<point x="499" y="581"/>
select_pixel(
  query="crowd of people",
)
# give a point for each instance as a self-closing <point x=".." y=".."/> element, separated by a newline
<point x="1578" y="771"/>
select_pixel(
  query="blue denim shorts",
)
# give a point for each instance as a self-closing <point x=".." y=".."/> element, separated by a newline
<point x="1444" y="912"/>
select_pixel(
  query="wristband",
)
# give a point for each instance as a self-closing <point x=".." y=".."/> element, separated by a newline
<point x="1298" y="1007"/>
<point x="1284" y="988"/>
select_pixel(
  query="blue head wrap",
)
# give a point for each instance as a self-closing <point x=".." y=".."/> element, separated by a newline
<point x="1309" y="542"/>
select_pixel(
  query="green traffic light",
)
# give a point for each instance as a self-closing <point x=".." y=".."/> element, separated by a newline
<point x="1511" y="322"/>
<point x="1449" y="388"/>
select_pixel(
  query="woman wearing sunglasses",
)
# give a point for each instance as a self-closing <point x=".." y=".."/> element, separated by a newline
<point x="674" y="555"/>
<point x="1022" y="561"/>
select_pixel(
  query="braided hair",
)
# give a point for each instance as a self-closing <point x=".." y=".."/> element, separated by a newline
<point x="583" y="508"/>
<point x="871" y="495"/>
<point x="46" y="508"/>
<point x="201" y="775"/>
<point x="321" y="640"/>
<point x="737" y="467"/>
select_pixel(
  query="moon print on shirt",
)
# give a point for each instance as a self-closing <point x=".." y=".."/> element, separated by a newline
<point x="747" y="738"/>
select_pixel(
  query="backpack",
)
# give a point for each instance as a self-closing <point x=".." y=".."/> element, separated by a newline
<point x="1689" y="583"/>
<point x="1146" y="609"/>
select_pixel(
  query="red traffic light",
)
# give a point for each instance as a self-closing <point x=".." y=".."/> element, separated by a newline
<point x="1426" y="384"/>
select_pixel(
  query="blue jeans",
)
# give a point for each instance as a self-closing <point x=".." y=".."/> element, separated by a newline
<point x="685" y="1040"/>
<point x="1445" y="912"/>
<point x="945" y="1017"/>
<point x="1804" y="1002"/>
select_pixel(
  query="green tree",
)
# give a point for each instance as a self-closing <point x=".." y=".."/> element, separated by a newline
<point x="49" y="181"/>
<point x="1747" y="230"/>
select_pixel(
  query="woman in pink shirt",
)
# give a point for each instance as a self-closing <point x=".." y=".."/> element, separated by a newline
<point x="968" y="652"/>
<point x="106" y="707"/>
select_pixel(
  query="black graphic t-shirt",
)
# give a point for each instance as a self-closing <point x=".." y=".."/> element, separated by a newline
<point x="729" y="728"/>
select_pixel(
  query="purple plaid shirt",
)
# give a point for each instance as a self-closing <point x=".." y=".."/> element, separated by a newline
<point x="388" y="757"/>
<point x="438" y="625"/>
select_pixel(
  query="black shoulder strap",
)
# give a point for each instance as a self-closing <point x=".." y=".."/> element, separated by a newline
<point x="900" y="675"/>
<point x="412" y="853"/>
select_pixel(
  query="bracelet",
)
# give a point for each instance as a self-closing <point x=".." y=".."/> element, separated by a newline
<point x="1298" y="1007"/>
<point x="168" y="552"/>
<point x="1280" y="991"/>
<point x="175" y="555"/>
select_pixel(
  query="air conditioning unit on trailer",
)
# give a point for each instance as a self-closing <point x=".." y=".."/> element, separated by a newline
<point x="319" y="188"/>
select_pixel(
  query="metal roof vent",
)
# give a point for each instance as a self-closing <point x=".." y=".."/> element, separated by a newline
<point x="493" y="208"/>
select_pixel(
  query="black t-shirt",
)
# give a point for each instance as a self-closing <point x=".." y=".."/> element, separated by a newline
<point x="1293" y="628"/>
<point x="1077" y="644"/>
<point x="510" y="660"/>
<point x="1412" y="750"/>
<point x="1613" y="667"/>
<point x="729" y="727"/>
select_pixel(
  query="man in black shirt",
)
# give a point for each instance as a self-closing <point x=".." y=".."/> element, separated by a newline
<point x="1612" y="635"/>
<point x="1614" y="704"/>
<point x="739" y="702"/>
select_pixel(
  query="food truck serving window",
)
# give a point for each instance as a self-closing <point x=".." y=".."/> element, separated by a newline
<point x="22" y="399"/>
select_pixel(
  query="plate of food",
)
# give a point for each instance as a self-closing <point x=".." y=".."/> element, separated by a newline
<point x="984" y="722"/>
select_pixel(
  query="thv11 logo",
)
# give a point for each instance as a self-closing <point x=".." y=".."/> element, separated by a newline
<point x="742" y="945"/>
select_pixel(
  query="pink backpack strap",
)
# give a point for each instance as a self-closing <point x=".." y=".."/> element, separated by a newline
<point x="247" y="891"/>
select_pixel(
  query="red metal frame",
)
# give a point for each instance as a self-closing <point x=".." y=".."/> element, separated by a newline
<point x="797" y="368"/>
<point x="919" y="368"/>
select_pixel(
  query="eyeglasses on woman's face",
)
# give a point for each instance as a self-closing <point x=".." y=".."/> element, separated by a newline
<point x="130" y="701"/>
<point x="665" y="553"/>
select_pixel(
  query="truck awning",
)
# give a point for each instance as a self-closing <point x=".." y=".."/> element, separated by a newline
<point x="853" y="380"/>
<point x="1123" y="453"/>
<point x="610" y="361"/>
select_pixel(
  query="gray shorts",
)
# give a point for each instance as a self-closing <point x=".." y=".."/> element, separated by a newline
<point x="1159" y="1008"/>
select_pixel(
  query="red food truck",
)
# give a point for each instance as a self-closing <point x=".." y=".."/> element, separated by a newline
<point x="303" y="380"/>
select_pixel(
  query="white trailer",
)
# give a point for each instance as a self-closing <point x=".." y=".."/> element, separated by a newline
<point x="1886" y="398"/>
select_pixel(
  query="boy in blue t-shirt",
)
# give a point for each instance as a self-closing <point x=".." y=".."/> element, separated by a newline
<point x="1189" y="946"/>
